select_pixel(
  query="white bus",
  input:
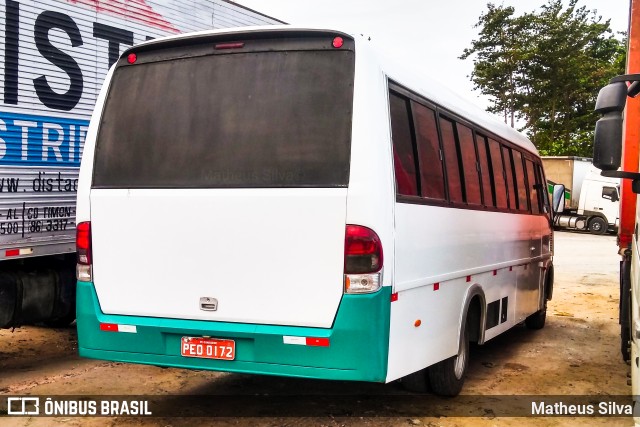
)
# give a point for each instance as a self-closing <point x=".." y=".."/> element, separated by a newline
<point x="279" y="201"/>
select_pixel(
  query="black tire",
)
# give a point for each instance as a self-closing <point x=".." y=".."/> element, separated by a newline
<point x="62" y="322"/>
<point x="446" y="378"/>
<point x="537" y="319"/>
<point x="418" y="382"/>
<point x="598" y="226"/>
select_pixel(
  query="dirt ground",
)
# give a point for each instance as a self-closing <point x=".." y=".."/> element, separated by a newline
<point x="576" y="354"/>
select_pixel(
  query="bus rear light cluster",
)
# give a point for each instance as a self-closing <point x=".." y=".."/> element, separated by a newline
<point x="83" y="250"/>
<point x="363" y="260"/>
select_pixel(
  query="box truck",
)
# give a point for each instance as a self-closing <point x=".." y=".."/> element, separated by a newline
<point x="55" y="56"/>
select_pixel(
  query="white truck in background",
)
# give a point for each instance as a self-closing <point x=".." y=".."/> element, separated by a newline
<point x="55" y="56"/>
<point x="595" y="207"/>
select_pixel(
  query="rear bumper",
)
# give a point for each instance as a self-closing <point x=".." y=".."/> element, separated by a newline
<point x="359" y="341"/>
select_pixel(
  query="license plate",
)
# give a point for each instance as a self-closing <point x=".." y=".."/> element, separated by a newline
<point x="208" y="348"/>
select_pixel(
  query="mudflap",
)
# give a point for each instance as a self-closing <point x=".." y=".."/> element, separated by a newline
<point x="37" y="291"/>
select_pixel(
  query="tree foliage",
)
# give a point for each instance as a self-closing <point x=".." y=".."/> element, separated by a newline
<point x="543" y="69"/>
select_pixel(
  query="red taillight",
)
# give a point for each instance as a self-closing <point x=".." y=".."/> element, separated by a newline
<point x="132" y="58"/>
<point x="83" y="243"/>
<point x="362" y="250"/>
<point x="337" y="42"/>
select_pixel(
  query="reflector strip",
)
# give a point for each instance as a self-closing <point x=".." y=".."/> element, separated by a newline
<point x="318" y="342"/>
<point x="436" y="286"/>
<point x="309" y="341"/>
<point x="16" y="252"/>
<point x="394" y="297"/>
<point x="112" y="327"/>
<point x="108" y="327"/>
<point x="294" y="340"/>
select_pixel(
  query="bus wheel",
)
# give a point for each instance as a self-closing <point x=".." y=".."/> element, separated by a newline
<point x="537" y="319"/>
<point x="447" y="377"/>
<point x="417" y="382"/>
<point x="598" y="226"/>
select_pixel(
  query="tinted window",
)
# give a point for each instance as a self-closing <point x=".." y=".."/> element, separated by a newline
<point x="610" y="193"/>
<point x="535" y="188"/>
<point x="509" y="173"/>
<point x="431" y="172"/>
<point x="403" y="157"/>
<point x="451" y="160"/>
<point x="255" y="119"/>
<point x="498" y="174"/>
<point x="469" y="165"/>
<point x="520" y="181"/>
<point x="485" y="170"/>
<point x="544" y="192"/>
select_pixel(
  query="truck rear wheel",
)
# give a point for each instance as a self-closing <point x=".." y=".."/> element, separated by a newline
<point x="598" y="226"/>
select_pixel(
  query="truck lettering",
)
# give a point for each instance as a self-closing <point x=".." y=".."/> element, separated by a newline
<point x="12" y="39"/>
<point x="45" y="22"/>
<point x="115" y="36"/>
<point x="11" y="185"/>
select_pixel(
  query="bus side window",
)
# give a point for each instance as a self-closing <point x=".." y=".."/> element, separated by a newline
<point x="498" y="175"/>
<point x="534" y="187"/>
<point x="520" y="181"/>
<point x="429" y="153"/>
<point x="485" y="171"/>
<point x="544" y="193"/>
<point x="451" y="160"/>
<point x="510" y="174"/>
<point x="469" y="165"/>
<point x="404" y="161"/>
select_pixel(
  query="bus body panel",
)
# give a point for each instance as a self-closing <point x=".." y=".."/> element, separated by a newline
<point x="197" y="243"/>
<point x="458" y="242"/>
<point x="412" y="347"/>
<point x="356" y="350"/>
<point x="456" y="249"/>
<point x="371" y="190"/>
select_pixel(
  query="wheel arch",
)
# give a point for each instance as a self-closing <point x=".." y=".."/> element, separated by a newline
<point x="475" y="310"/>
<point x="548" y="281"/>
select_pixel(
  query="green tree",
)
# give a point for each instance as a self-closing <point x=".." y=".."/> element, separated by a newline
<point x="546" y="71"/>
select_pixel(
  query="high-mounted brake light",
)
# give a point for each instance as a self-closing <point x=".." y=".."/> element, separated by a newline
<point x="83" y="250"/>
<point x="363" y="260"/>
<point x="337" y="42"/>
<point x="132" y="58"/>
<point x="220" y="46"/>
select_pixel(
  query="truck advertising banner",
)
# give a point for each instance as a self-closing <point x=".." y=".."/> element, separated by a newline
<point x="54" y="56"/>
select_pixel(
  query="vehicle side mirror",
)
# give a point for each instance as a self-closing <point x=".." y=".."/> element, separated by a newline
<point x="558" y="198"/>
<point x="607" y="147"/>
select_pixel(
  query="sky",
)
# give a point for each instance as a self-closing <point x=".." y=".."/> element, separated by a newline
<point x="426" y="34"/>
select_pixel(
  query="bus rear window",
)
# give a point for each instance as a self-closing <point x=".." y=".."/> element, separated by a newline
<point x="242" y="120"/>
